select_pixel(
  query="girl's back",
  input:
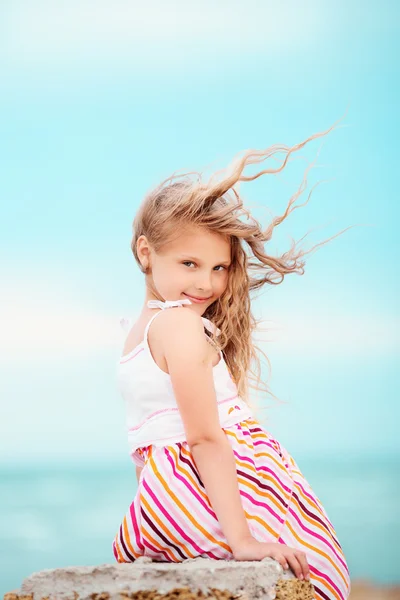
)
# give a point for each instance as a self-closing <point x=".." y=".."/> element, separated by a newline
<point x="147" y="389"/>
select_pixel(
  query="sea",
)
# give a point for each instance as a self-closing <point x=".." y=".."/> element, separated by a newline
<point x="59" y="515"/>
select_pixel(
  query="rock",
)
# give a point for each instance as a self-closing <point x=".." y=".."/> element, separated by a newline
<point x="192" y="579"/>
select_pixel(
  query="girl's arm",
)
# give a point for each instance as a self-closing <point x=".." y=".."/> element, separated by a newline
<point x="138" y="471"/>
<point x="187" y="353"/>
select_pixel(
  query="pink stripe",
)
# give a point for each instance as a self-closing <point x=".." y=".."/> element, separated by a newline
<point x="135" y="527"/>
<point x="264" y="443"/>
<point x="246" y="458"/>
<point x="257" y="503"/>
<point x="154" y="414"/>
<point x="115" y="551"/>
<point x="267" y="469"/>
<point x="315" y="535"/>
<point x="209" y="523"/>
<point x="311" y="508"/>
<point x="189" y="487"/>
<point x="208" y="520"/>
<point x="228" y="399"/>
<point x="314" y="502"/>
<point x="328" y="579"/>
<point x="163" y="410"/>
<point x="171" y="520"/>
<point x="127" y="358"/>
<point x="157" y="551"/>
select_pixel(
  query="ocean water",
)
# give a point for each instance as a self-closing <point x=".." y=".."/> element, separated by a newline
<point x="60" y="515"/>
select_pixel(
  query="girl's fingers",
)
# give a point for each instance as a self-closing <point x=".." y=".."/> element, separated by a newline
<point x="297" y="561"/>
<point x="301" y="557"/>
<point x="281" y="560"/>
<point x="294" y="565"/>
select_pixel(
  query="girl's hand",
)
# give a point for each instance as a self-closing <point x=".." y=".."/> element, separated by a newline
<point x="251" y="549"/>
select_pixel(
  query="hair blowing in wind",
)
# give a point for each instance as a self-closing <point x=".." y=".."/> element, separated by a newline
<point x="185" y="201"/>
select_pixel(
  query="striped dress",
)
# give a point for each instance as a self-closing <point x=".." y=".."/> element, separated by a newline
<point x="171" y="518"/>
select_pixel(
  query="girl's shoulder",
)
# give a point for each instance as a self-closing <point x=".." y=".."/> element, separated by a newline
<point x="175" y="323"/>
<point x="178" y="335"/>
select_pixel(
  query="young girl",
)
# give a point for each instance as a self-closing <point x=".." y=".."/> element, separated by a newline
<point x="212" y="482"/>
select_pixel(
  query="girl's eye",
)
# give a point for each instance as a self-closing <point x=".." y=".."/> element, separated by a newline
<point x="190" y="262"/>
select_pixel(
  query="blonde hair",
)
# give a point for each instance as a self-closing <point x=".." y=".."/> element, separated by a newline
<point x="216" y="206"/>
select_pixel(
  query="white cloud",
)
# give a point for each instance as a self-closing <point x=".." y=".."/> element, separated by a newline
<point x="41" y="319"/>
<point x="339" y="335"/>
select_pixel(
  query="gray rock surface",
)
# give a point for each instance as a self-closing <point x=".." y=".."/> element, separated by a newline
<point x="249" y="580"/>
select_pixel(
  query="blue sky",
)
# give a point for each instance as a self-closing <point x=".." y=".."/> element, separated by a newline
<point x="98" y="102"/>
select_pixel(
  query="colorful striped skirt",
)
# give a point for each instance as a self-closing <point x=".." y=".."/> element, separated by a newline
<point x="171" y="518"/>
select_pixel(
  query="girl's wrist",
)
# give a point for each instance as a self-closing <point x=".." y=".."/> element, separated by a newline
<point x="238" y="542"/>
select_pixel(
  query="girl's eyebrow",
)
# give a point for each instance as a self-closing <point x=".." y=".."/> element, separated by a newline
<point x="186" y="257"/>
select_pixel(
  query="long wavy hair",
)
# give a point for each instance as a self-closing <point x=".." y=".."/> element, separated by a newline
<point x="216" y="206"/>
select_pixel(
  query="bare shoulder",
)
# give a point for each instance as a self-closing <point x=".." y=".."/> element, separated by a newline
<point x="180" y="326"/>
<point x="180" y="318"/>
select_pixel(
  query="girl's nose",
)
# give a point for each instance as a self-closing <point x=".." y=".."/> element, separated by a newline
<point x="204" y="285"/>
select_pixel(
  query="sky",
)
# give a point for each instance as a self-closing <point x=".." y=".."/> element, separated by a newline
<point x="99" y="101"/>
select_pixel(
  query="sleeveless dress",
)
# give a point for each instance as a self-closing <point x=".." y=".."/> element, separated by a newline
<point x="171" y="519"/>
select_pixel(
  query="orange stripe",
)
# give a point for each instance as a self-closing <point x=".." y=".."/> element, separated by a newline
<point x="317" y="550"/>
<point x="266" y="476"/>
<point x="278" y="464"/>
<point x="238" y="441"/>
<point x="187" y="475"/>
<point x="262" y="522"/>
<point x="251" y="421"/>
<point x="319" y="526"/>
<point x="127" y="538"/>
<point x="195" y="523"/>
<point x="259" y="492"/>
<point x="164" y="528"/>
<point x="259" y="435"/>
<point x="168" y="551"/>
<point x="306" y="498"/>
<point x="311" y="501"/>
<point x="120" y="557"/>
<point x="257" y="454"/>
<point x="325" y="584"/>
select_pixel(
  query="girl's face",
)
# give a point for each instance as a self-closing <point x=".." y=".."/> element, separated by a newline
<point x="194" y="266"/>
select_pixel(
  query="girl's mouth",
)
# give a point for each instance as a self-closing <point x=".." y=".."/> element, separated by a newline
<point x="197" y="300"/>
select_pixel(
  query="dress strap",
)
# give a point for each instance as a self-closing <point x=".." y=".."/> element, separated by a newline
<point x="209" y="325"/>
<point x="167" y="303"/>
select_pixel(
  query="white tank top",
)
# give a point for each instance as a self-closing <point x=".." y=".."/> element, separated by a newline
<point x="152" y="412"/>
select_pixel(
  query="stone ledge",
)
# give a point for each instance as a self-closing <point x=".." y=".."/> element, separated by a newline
<point x="192" y="579"/>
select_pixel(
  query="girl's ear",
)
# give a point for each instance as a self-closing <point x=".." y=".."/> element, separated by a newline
<point x="143" y="252"/>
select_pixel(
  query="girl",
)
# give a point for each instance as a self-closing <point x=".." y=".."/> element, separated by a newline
<point x="212" y="482"/>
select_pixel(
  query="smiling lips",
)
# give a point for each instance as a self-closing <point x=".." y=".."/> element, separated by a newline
<point x="197" y="299"/>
